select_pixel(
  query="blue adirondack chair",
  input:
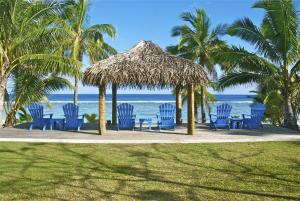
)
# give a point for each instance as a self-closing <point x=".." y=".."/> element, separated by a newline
<point x="126" y="118"/>
<point x="253" y="120"/>
<point x="221" y="119"/>
<point x="37" y="114"/>
<point x="72" y="117"/>
<point x="166" y="116"/>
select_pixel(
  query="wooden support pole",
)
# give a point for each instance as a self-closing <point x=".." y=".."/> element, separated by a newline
<point x="114" y="105"/>
<point x="191" y="110"/>
<point x="102" y="119"/>
<point x="178" y="105"/>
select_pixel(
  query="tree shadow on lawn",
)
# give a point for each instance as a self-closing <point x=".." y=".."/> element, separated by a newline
<point x="87" y="173"/>
<point x="245" y="169"/>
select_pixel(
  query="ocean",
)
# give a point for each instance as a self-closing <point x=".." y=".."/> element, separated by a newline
<point x="145" y="105"/>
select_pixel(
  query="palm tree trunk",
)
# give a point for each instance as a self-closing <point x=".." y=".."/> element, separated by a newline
<point x="76" y="91"/>
<point x="102" y="119"/>
<point x="3" y="84"/>
<point x="203" y="116"/>
<point x="114" y="105"/>
<point x="10" y="119"/>
<point x="196" y="111"/>
<point x="76" y="55"/>
<point x="191" y="109"/>
<point x="178" y="105"/>
<point x="290" y="120"/>
<point x="7" y="104"/>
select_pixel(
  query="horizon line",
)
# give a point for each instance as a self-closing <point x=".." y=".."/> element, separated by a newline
<point x="134" y="94"/>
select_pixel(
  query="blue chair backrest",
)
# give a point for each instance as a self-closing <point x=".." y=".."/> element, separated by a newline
<point x="36" y="111"/>
<point x="223" y="111"/>
<point x="167" y="110"/>
<point x="257" y="112"/>
<point x="125" y="111"/>
<point x="71" y="110"/>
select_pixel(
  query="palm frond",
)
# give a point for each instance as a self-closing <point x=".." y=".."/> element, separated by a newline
<point x="102" y="29"/>
<point x="246" y="30"/>
<point x="238" y="78"/>
<point x="239" y="58"/>
<point x="282" y="21"/>
<point x="41" y="63"/>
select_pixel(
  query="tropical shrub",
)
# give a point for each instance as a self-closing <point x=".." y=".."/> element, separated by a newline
<point x="91" y="118"/>
<point x="23" y="116"/>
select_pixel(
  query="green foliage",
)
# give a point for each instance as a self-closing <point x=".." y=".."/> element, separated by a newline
<point x="273" y="100"/>
<point x="198" y="41"/>
<point x="83" y="39"/>
<point x="91" y="118"/>
<point x="30" y="52"/>
<point x="29" y="39"/>
<point x="28" y="88"/>
<point x="42" y="40"/>
<point x="274" y="110"/>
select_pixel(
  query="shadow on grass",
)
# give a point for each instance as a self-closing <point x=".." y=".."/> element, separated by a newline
<point x="126" y="172"/>
<point x="156" y="195"/>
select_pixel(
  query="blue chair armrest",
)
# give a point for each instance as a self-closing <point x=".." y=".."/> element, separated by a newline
<point x="133" y="118"/>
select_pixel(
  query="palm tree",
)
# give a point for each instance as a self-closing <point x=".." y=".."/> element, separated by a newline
<point x="84" y="39"/>
<point x="198" y="41"/>
<point x="276" y="63"/>
<point x="29" y="41"/>
<point x="181" y="91"/>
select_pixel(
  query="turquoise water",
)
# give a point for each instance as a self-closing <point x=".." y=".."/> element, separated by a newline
<point x="145" y="105"/>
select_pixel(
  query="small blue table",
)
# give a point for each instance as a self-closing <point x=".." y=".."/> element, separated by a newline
<point x="59" y="122"/>
<point x="236" y="123"/>
<point x="145" y="120"/>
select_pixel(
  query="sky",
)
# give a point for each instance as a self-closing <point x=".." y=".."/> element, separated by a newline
<point x="137" y="20"/>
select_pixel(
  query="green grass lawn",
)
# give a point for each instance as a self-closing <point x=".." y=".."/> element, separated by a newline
<point x="230" y="171"/>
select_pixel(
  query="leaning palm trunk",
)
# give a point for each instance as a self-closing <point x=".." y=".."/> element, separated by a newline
<point x="3" y="83"/>
<point x="10" y="119"/>
<point x="290" y="120"/>
<point x="76" y="91"/>
<point x="76" y="55"/>
<point x="203" y="116"/>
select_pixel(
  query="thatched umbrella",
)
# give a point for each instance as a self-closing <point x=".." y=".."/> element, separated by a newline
<point x="146" y="64"/>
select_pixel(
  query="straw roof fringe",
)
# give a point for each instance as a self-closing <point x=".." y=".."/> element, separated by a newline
<point x="145" y="64"/>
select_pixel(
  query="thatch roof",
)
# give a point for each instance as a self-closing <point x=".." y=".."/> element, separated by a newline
<point x="145" y="64"/>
